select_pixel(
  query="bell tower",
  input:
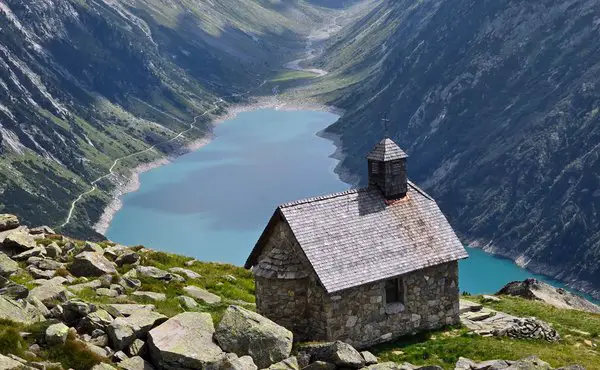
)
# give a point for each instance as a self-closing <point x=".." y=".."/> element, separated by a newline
<point x="387" y="169"/>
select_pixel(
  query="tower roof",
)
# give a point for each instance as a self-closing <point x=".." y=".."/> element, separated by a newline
<point x="386" y="150"/>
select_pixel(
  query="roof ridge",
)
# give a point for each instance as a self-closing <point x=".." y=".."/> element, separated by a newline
<point x="420" y="191"/>
<point x="321" y="197"/>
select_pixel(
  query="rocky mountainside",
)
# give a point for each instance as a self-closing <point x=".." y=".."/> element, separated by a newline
<point x="66" y="303"/>
<point x="497" y="103"/>
<point x="83" y="83"/>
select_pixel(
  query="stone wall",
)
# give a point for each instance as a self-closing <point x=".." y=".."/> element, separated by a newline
<point x="361" y="317"/>
<point x="286" y="286"/>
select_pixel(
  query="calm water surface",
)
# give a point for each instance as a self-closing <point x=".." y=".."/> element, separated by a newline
<point x="213" y="204"/>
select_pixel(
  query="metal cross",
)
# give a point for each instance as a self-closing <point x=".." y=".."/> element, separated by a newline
<point x="385" y="125"/>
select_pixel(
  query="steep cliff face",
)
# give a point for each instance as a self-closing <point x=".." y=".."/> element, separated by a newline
<point x="498" y="103"/>
<point x="83" y="83"/>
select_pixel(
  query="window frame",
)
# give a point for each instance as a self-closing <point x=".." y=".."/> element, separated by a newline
<point x="400" y="291"/>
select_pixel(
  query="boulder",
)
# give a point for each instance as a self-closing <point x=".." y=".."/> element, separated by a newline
<point x="369" y="358"/>
<point x="137" y="348"/>
<point x="201" y="294"/>
<point x="8" y="222"/>
<point x="187" y="303"/>
<point x="97" y="320"/>
<point x="491" y="365"/>
<point x="119" y="356"/>
<point x="232" y="362"/>
<point x="391" y="366"/>
<point x="127" y="258"/>
<point x="530" y="363"/>
<point x="49" y="294"/>
<point x="123" y="330"/>
<point x="21" y="312"/>
<point x="53" y="250"/>
<point x="12" y="290"/>
<point x="92" y="247"/>
<point x="103" y="366"/>
<point x="78" y="308"/>
<point x="150" y="295"/>
<point x="94" y="284"/>
<point x="125" y="309"/>
<point x="290" y="363"/>
<point x="42" y="230"/>
<point x="156" y="273"/>
<point x="130" y="283"/>
<point x="33" y="252"/>
<point x="185" y="272"/>
<point x="136" y="363"/>
<point x="45" y="263"/>
<point x="7" y="265"/>
<point x="20" y="240"/>
<point x="557" y="297"/>
<point x="185" y="342"/>
<point x="105" y="292"/>
<point x="40" y="274"/>
<point x="57" y="333"/>
<point x="339" y="353"/>
<point x="529" y="328"/>
<point x="91" y="264"/>
<point x="320" y="365"/>
<point x="244" y="332"/>
<point x="464" y="364"/>
<point x="7" y="363"/>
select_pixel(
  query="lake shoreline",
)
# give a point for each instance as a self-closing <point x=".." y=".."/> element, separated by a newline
<point x="131" y="180"/>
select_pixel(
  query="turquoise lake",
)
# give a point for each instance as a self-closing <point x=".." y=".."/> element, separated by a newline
<point x="213" y="203"/>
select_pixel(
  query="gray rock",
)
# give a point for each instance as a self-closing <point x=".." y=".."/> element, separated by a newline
<point x="136" y="363"/>
<point x="244" y="332"/>
<point x="50" y="293"/>
<point x="464" y="364"/>
<point x="99" y="340"/>
<point x="232" y="362"/>
<point x="201" y="294"/>
<point x="40" y="274"/>
<point x="320" y="365"/>
<point x="97" y="320"/>
<point x="150" y="295"/>
<point x="92" y="247"/>
<point x="391" y="366"/>
<point x="127" y="258"/>
<point x="105" y="280"/>
<point x="78" y="307"/>
<point x="105" y="292"/>
<point x="530" y="363"/>
<point x="91" y="264"/>
<point x="185" y="342"/>
<point x="187" y="303"/>
<point x="7" y="265"/>
<point x="492" y="365"/>
<point x="94" y="284"/>
<point x="123" y="330"/>
<point x="53" y="250"/>
<point x="369" y="358"/>
<point x="21" y="240"/>
<point x="8" y="222"/>
<point x="12" y="290"/>
<point x="121" y="309"/>
<point x="57" y="333"/>
<point x="130" y="283"/>
<point x="339" y="353"/>
<point x="185" y="272"/>
<point x="95" y="349"/>
<point x="290" y="363"/>
<point x="137" y="348"/>
<point x="33" y="252"/>
<point x="45" y="263"/>
<point x="7" y="363"/>
<point x="42" y="230"/>
<point x="119" y="356"/>
<point x="156" y="273"/>
<point x="19" y="311"/>
<point x="103" y="366"/>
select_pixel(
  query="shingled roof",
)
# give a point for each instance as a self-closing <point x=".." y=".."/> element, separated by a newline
<point x="357" y="237"/>
<point x="386" y="150"/>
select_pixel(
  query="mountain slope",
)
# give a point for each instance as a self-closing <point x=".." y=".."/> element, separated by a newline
<point x="497" y="103"/>
<point x="86" y="82"/>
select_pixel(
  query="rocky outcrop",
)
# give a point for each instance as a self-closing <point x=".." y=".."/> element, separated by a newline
<point x="185" y="342"/>
<point x="202" y="295"/>
<point x="338" y="353"/>
<point x="557" y="297"/>
<point x="7" y="265"/>
<point x="8" y="222"/>
<point x="245" y="332"/>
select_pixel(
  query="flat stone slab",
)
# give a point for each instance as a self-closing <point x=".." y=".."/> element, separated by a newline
<point x="123" y="309"/>
<point x="150" y="295"/>
<point x="185" y="341"/>
<point x="201" y="294"/>
<point x="468" y="306"/>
